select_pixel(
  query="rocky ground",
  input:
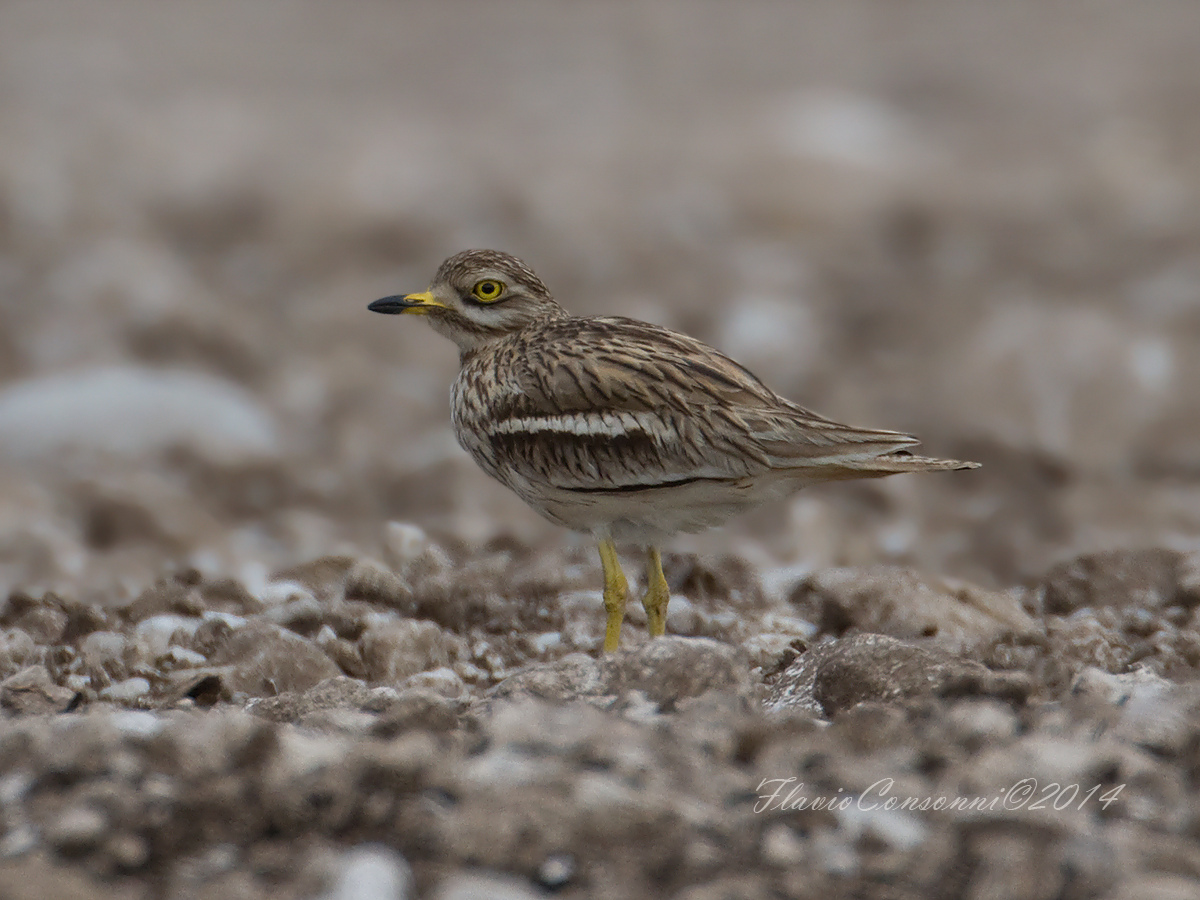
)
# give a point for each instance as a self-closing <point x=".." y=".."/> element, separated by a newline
<point x="265" y="632"/>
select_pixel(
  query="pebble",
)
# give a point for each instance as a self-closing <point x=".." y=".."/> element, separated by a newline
<point x="403" y="542"/>
<point x="372" y="872"/>
<point x="126" y="691"/>
<point x="157" y="631"/>
<point x="183" y="658"/>
<point x="138" y="723"/>
<point x="79" y="828"/>
<point x="19" y="840"/>
<point x="101" y="646"/>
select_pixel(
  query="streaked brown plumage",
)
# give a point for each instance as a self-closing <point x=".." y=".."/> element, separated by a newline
<point x="623" y="429"/>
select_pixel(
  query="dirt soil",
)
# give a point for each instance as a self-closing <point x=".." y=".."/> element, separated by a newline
<point x="266" y="632"/>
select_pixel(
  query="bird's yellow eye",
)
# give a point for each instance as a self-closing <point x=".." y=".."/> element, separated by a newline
<point x="489" y="290"/>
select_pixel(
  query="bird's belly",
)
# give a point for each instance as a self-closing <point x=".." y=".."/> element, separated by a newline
<point x="647" y="516"/>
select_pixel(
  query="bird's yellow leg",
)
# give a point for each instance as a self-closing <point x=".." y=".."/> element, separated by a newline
<point x="658" y="595"/>
<point x="616" y="592"/>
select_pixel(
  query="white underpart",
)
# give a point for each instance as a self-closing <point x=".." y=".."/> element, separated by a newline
<point x="588" y="424"/>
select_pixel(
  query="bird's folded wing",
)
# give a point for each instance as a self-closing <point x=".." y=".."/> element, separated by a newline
<point x="613" y="404"/>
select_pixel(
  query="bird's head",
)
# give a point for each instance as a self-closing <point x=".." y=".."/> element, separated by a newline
<point x="478" y="296"/>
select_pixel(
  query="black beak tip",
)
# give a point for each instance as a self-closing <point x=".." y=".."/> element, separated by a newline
<point x="389" y="305"/>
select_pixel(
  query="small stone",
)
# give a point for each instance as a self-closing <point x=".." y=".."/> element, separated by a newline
<point x="373" y="583"/>
<point x="781" y="847"/>
<point x="16" y="650"/>
<point x="443" y="681"/>
<point x="952" y="614"/>
<point x="32" y="691"/>
<point x="276" y="593"/>
<point x="417" y="708"/>
<point x="183" y="658"/>
<point x="159" y="631"/>
<point x="268" y="660"/>
<point x="128" y="852"/>
<point x="394" y="649"/>
<point x="138" y="723"/>
<point x="100" y="647"/>
<point x="1134" y="578"/>
<point x="402" y="543"/>
<point x="79" y="829"/>
<point x="671" y="669"/>
<point x="576" y="675"/>
<point x="556" y="871"/>
<point x="345" y="655"/>
<point x="836" y="675"/>
<point x="18" y="841"/>
<point x="876" y="667"/>
<point x="1143" y="708"/>
<point x="371" y="872"/>
<point x="339" y="692"/>
<point x="44" y="623"/>
<point x="126" y="691"/>
<point x="302" y="613"/>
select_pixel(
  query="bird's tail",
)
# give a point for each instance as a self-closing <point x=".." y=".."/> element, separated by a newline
<point x="893" y="463"/>
<point x="904" y="461"/>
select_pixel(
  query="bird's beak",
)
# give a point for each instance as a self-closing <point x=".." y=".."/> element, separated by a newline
<point x="418" y="304"/>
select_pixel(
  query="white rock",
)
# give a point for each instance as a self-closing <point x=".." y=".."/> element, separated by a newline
<point x="276" y="593"/>
<point x="442" y="680"/>
<point x="372" y="872"/>
<point x="139" y="723"/>
<point x="127" y="690"/>
<point x="18" y="841"/>
<point x="304" y="606"/>
<point x="134" y="412"/>
<point x="78" y="828"/>
<point x="899" y="829"/>
<point x="183" y="658"/>
<point x="103" y="645"/>
<point x="547" y="640"/>
<point x="230" y="619"/>
<point x="14" y="786"/>
<point x="402" y="543"/>
<point x="16" y="646"/>
<point x="156" y="631"/>
<point x="781" y="847"/>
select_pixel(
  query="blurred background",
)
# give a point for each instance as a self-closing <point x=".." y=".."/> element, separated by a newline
<point x="977" y="222"/>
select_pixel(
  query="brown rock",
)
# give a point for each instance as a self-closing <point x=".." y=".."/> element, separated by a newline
<point x="417" y="708"/>
<point x="16" y="649"/>
<point x="670" y="669"/>
<point x="573" y="676"/>
<point x="41" y="619"/>
<point x="667" y="670"/>
<point x="338" y="692"/>
<point x="954" y="614"/>
<point x="170" y="595"/>
<point x="835" y="676"/>
<point x="1143" y="578"/>
<point x="268" y="660"/>
<point x="32" y="691"/>
<point x="393" y="649"/>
